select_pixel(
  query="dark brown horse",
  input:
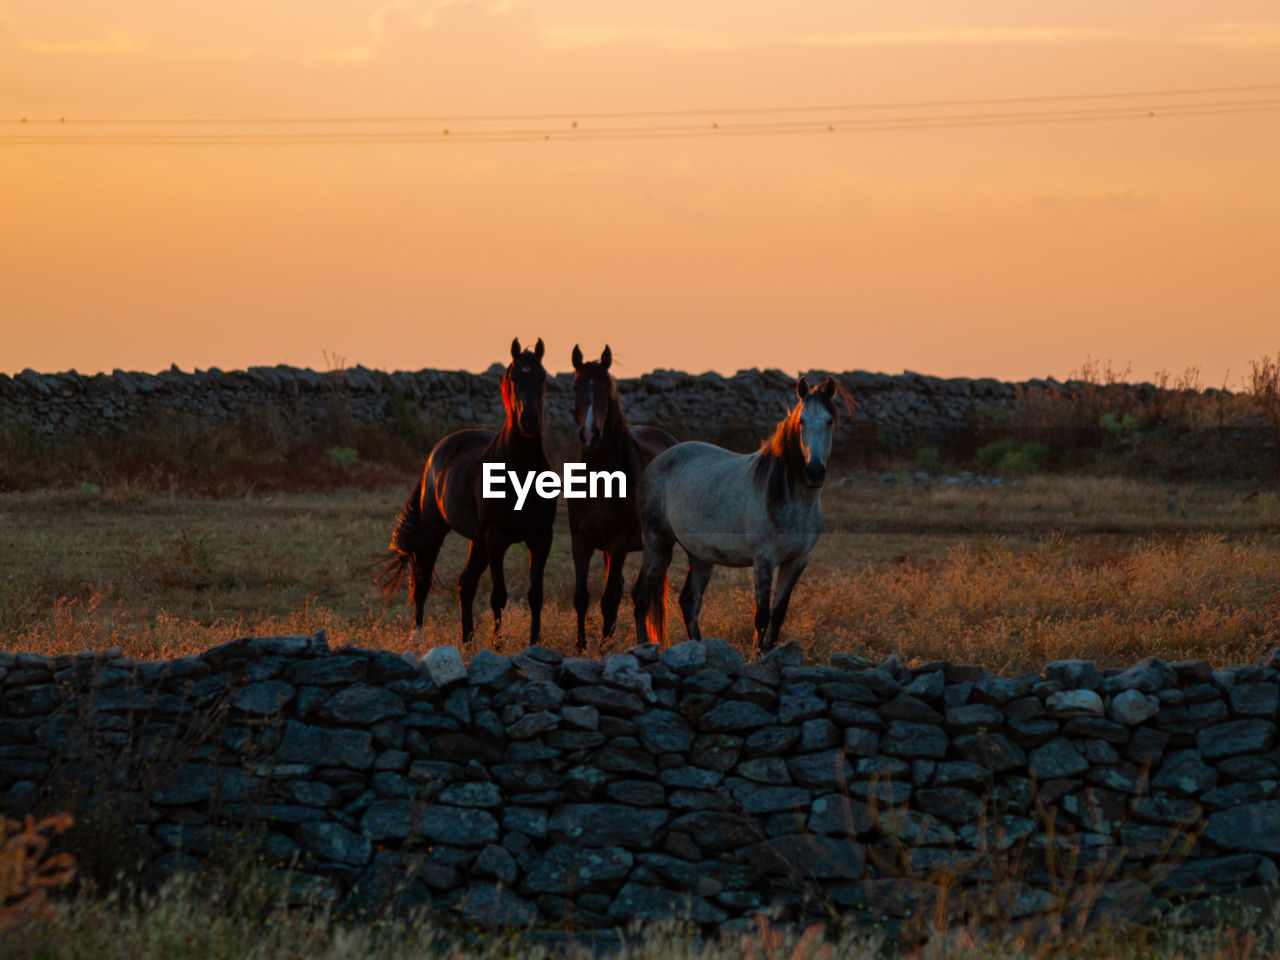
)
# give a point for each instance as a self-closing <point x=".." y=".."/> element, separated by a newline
<point x="611" y="526"/>
<point x="449" y="497"/>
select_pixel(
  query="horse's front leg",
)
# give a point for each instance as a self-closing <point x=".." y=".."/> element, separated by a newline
<point x="467" y="583"/>
<point x="764" y="587"/>
<point x="581" y="596"/>
<point x="788" y="574"/>
<point x="539" y="550"/>
<point x="611" y="598"/>
<point x="497" y="549"/>
<point x="695" y="587"/>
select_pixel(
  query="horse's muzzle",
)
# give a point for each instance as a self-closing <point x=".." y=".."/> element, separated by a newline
<point x="814" y="474"/>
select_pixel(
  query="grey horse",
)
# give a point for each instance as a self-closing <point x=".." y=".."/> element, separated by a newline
<point x="761" y="510"/>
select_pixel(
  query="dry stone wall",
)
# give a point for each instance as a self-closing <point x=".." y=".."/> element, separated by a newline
<point x="535" y="789"/>
<point x="899" y="410"/>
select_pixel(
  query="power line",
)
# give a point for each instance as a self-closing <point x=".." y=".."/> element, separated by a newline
<point x="577" y="132"/>
<point x="630" y="114"/>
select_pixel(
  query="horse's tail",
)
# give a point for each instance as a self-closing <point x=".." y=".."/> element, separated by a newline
<point x="410" y="535"/>
<point x="656" y="619"/>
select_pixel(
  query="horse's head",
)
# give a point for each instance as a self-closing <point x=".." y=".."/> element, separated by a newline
<point x="816" y="416"/>
<point x="524" y="389"/>
<point x="592" y="390"/>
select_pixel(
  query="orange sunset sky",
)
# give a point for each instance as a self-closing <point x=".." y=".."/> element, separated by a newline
<point x="959" y="247"/>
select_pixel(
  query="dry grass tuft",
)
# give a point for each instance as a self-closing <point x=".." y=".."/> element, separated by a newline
<point x="28" y="871"/>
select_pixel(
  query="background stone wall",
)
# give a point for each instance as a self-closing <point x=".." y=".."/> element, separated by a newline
<point x="537" y="787"/>
<point x="897" y="411"/>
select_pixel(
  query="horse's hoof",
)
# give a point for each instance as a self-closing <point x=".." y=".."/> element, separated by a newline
<point x="415" y="635"/>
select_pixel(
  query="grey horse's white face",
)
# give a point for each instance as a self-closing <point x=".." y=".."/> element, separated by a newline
<point x="817" y="428"/>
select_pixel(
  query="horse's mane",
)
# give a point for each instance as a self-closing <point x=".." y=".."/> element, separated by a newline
<point x="617" y="433"/>
<point x="780" y="462"/>
<point x="618" y="427"/>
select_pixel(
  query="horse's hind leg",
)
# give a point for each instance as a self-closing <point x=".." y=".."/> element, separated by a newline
<point x="764" y="588"/>
<point x="581" y="596"/>
<point x="611" y="598"/>
<point x="469" y="579"/>
<point x="695" y="586"/>
<point x="788" y="575"/>
<point x="423" y="560"/>
<point x="658" y="544"/>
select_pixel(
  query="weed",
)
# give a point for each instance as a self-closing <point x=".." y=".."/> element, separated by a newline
<point x="28" y="871"/>
<point x="343" y="457"/>
<point x="1010" y="457"/>
<point x="1264" y="388"/>
<point x="929" y="460"/>
<point x="1119" y="428"/>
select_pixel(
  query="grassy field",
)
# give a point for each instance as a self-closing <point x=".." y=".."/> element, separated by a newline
<point x="1007" y="576"/>
<point x="211" y="918"/>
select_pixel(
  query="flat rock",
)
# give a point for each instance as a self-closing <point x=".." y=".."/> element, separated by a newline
<point x="332" y="841"/>
<point x="263" y="699"/>
<point x="1132" y="707"/>
<point x="1251" y="827"/>
<point x="567" y="870"/>
<point x="1074" y="674"/>
<point x="1080" y="702"/>
<point x="607" y="824"/>
<point x="361" y="704"/>
<point x="444" y="666"/>
<point x="1237" y="736"/>
<point x="492" y="905"/>
<point x="734" y="715"/>
<point x="664" y="731"/>
<point x="685" y="658"/>
<point x="489" y="669"/>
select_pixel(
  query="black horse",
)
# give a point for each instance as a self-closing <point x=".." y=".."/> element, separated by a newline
<point x="449" y="497"/>
<point x="611" y="525"/>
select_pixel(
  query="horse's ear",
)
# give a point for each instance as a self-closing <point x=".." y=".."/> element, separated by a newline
<point x="537" y="350"/>
<point x="515" y="349"/>
<point x="577" y="357"/>
<point x="802" y="388"/>
<point x="827" y="388"/>
<point x="606" y="358"/>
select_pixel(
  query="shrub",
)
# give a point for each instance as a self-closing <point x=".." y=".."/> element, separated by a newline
<point x="993" y="453"/>
<point x="343" y="457"/>
<point x="1119" y="428"/>
<point x="1009" y="456"/>
<point x="929" y="459"/>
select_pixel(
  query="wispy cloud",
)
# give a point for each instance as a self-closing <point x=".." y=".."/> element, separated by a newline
<point x="681" y="41"/>
<point x="111" y="43"/>
<point x="122" y="43"/>
<point x="959" y="35"/>
<point x="398" y="16"/>
<point x="1239" y="33"/>
<point x="1121" y="199"/>
<point x="675" y="40"/>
